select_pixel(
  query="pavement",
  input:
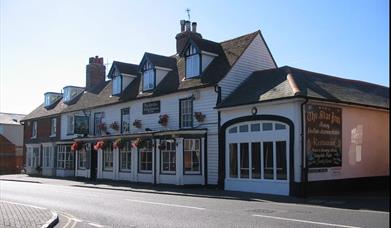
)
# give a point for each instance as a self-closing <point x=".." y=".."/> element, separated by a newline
<point x="23" y="215"/>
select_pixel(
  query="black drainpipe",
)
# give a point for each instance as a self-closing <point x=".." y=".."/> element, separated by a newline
<point x="304" y="176"/>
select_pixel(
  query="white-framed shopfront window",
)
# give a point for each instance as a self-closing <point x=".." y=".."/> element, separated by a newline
<point x="258" y="150"/>
<point x="48" y="154"/>
<point x="168" y="156"/>
<point x="107" y="159"/>
<point x="82" y="158"/>
<point x="145" y="158"/>
<point x="65" y="157"/>
<point x="192" y="156"/>
<point x="33" y="156"/>
<point x="126" y="158"/>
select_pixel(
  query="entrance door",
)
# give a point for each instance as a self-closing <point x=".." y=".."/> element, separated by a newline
<point x="94" y="163"/>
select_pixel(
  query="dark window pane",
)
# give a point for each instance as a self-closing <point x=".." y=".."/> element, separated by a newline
<point x="280" y="126"/>
<point x="256" y="160"/>
<point x="267" y="126"/>
<point x="233" y="160"/>
<point x="281" y="160"/>
<point x="233" y="130"/>
<point x="244" y="160"/>
<point x="255" y="127"/>
<point x="268" y="160"/>
<point x="243" y="128"/>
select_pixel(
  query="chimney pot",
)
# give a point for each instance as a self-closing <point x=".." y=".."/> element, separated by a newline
<point x="187" y="25"/>
<point x="194" y="27"/>
<point x="182" y="22"/>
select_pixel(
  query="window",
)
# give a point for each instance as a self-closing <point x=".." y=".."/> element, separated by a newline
<point x="108" y="159"/>
<point x="168" y="156"/>
<point x="148" y="77"/>
<point x="243" y="128"/>
<point x="233" y="130"/>
<point x="255" y="127"/>
<point x="192" y="62"/>
<point x="268" y="160"/>
<point x="65" y="157"/>
<point x="48" y="156"/>
<point x="186" y="112"/>
<point x="36" y="158"/>
<point x="280" y="126"/>
<point x="81" y="158"/>
<point x="256" y="160"/>
<point x="117" y="84"/>
<point x="233" y="160"/>
<point x="145" y="158"/>
<point x="98" y="120"/>
<point x="267" y="126"/>
<point x="70" y="125"/>
<point x="29" y="156"/>
<point x="244" y="161"/>
<point x="70" y="92"/>
<point x="125" y="120"/>
<point x="192" y="156"/>
<point x="53" y="127"/>
<point x="281" y="160"/>
<point x="126" y="158"/>
<point x="34" y="130"/>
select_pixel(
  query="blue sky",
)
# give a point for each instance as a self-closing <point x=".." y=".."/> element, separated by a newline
<point x="45" y="45"/>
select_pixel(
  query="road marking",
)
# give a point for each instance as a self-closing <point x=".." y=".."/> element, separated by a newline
<point x="166" y="204"/>
<point x="22" y="204"/>
<point x="95" y="224"/>
<point x="306" y="221"/>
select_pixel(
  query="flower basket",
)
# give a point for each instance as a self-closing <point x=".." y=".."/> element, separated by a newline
<point x="76" y="146"/>
<point x="163" y="119"/>
<point x="137" y="123"/>
<point x="139" y="143"/>
<point x="114" y="126"/>
<point x="199" y="116"/>
<point x="100" y="145"/>
<point x="119" y="143"/>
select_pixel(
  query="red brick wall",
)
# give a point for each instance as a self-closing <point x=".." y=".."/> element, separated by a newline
<point x="43" y="130"/>
<point x="7" y="156"/>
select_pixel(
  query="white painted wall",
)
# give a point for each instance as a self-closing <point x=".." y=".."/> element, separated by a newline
<point x="255" y="57"/>
<point x="160" y="74"/>
<point x="206" y="60"/>
<point x="126" y="80"/>
<point x="365" y="145"/>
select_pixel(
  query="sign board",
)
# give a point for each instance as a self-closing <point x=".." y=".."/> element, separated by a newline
<point x="81" y="125"/>
<point x="151" y="107"/>
<point x="323" y="136"/>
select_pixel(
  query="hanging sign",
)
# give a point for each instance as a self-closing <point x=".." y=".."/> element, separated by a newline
<point x="323" y="136"/>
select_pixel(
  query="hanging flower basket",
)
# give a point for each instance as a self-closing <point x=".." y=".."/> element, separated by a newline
<point x="100" y="145"/>
<point x="76" y="146"/>
<point x="137" y="123"/>
<point x="139" y="143"/>
<point x="163" y="119"/>
<point x="119" y="143"/>
<point x="114" y="126"/>
<point x="199" y="116"/>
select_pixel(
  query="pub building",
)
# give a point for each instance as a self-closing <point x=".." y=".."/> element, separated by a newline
<point x="214" y="113"/>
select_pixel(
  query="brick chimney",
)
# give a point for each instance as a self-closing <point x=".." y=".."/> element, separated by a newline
<point x="186" y="32"/>
<point x="95" y="72"/>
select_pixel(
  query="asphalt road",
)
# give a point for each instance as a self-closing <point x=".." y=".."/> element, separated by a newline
<point x="89" y="207"/>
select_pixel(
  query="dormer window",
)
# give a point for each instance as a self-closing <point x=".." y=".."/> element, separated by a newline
<point x="70" y="92"/>
<point x="117" y="84"/>
<point x="148" y="77"/>
<point x="51" y="98"/>
<point x="193" y="66"/>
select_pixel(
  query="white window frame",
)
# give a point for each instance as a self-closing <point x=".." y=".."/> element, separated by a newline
<point x="48" y="153"/>
<point x="125" y="158"/>
<point x="148" y="150"/>
<point x="186" y="112"/>
<point x="97" y="121"/>
<point x="148" y="80"/>
<point x="65" y="157"/>
<point x="193" y="62"/>
<point x="108" y="161"/>
<point x="82" y="158"/>
<point x="125" y="121"/>
<point x="170" y="149"/>
<point x="70" y="124"/>
<point x="117" y="84"/>
<point x="53" y="127"/>
<point x="34" y="130"/>
<point x="191" y="150"/>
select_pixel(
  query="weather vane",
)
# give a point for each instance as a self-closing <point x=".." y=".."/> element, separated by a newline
<point x="188" y="13"/>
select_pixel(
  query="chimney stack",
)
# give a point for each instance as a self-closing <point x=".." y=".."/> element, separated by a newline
<point x="182" y="22"/>
<point x="95" y="72"/>
<point x="194" y="27"/>
<point x="187" y="26"/>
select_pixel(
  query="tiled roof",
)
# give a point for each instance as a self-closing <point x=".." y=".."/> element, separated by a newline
<point x="228" y="52"/>
<point x="276" y="84"/>
<point x="11" y="118"/>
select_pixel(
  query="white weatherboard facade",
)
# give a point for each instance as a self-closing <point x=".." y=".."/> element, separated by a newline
<point x="365" y="145"/>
